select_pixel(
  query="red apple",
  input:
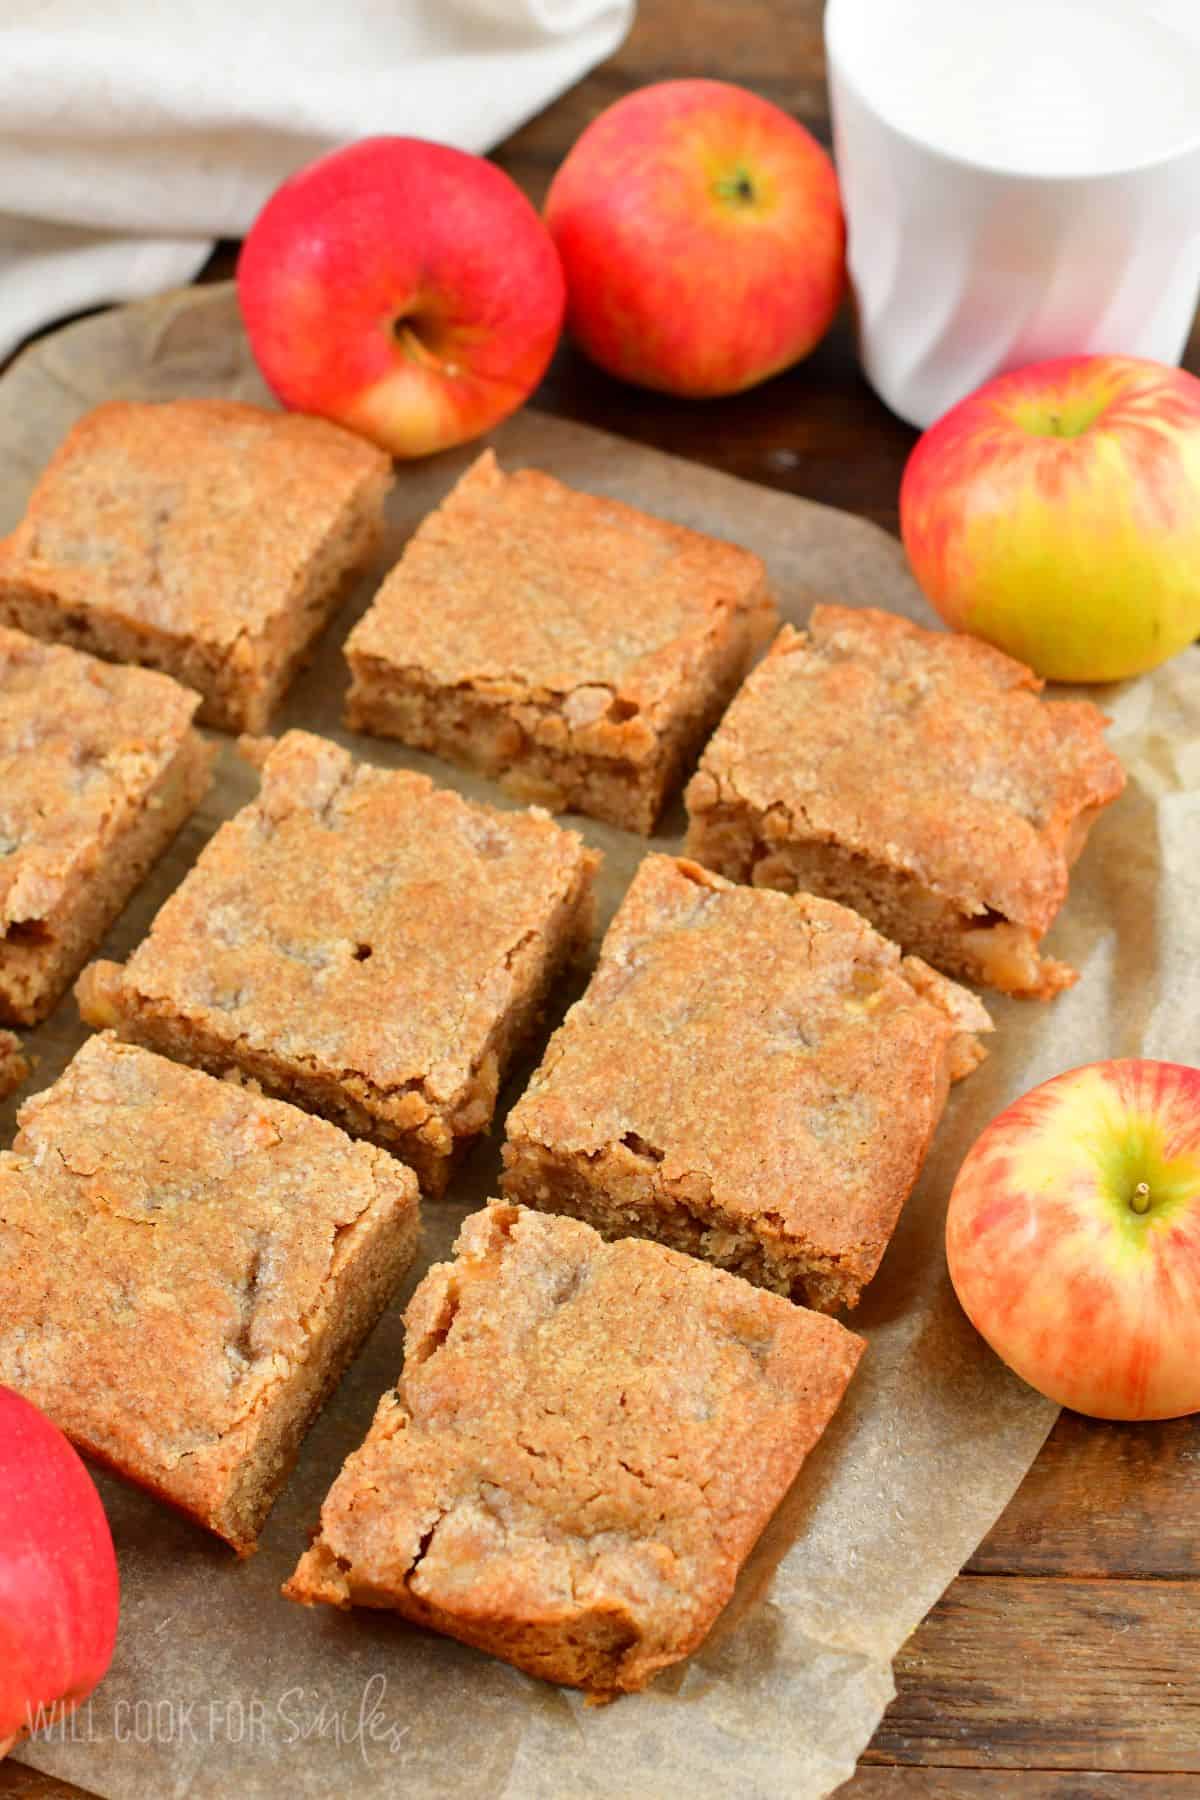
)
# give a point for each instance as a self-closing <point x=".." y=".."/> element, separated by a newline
<point x="58" y="1574"/>
<point x="404" y="289"/>
<point x="701" y="232"/>
<point x="1073" y="1238"/>
<point x="1056" y="513"/>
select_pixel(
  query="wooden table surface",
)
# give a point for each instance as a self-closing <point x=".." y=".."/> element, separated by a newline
<point x="1064" y="1662"/>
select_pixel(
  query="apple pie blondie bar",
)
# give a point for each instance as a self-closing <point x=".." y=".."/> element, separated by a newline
<point x="751" y="1077"/>
<point x="916" y="776"/>
<point x="575" y="648"/>
<point x="203" y="537"/>
<point x="99" y="767"/>
<point x="584" y="1445"/>
<point x="362" y="943"/>
<point x="186" y="1268"/>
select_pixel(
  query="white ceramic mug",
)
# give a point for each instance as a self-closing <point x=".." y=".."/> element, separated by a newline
<point x="1000" y="212"/>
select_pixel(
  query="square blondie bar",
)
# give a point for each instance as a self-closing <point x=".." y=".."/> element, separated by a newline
<point x="577" y="649"/>
<point x="99" y="767"/>
<point x="362" y="943"/>
<point x="186" y="1269"/>
<point x="585" y="1443"/>
<point x="203" y="537"/>
<point x="916" y="776"/>
<point x="751" y="1077"/>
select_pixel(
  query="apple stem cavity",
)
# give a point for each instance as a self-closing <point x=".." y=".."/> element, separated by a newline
<point x="418" y="349"/>
<point x="1070" y="417"/>
<point x="737" y="187"/>
<point x="1140" y="1197"/>
<point x="406" y="331"/>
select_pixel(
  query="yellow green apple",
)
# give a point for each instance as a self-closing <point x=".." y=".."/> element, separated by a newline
<point x="1073" y="1238"/>
<point x="1056" y="513"/>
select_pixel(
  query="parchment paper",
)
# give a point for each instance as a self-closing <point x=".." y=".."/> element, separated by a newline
<point x="222" y="1688"/>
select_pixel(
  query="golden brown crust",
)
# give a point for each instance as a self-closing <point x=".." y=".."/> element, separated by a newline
<point x="519" y="580"/>
<point x="751" y="1076"/>
<point x="534" y="630"/>
<point x="584" y="1445"/>
<point x="185" y="1267"/>
<point x="98" y="768"/>
<point x="360" y="935"/>
<point x="925" y="751"/>
<point x="185" y="534"/>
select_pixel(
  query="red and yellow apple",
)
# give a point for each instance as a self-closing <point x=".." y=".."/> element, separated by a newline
<point x="404" y="289"/>
<point x="58" y="1574"/>
<point x="701" y="232"/>
<point x="1073" y="1238"/>
<point x="1056" y="513"/>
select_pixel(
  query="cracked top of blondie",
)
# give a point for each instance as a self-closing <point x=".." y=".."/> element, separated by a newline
<point x="166" y="1241"/>
<point x="771" y="1054"/>
<point x="196" y="517"/>
<point x="523" y="587"/>
<point x="357" y="920"/>
<point x="928" y="751"/>
<point x="580" y="1428"/>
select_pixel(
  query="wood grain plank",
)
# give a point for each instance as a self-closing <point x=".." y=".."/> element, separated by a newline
<point x="1116" y="1500"/>
<point x="804" y="432"/>
<point x="772" y="46"/>
<point x="899" y="1783"/>
<point x="1019" y="1672"/>
<point x="19" y="1783"/>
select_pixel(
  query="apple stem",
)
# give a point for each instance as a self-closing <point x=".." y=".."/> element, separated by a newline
<point x="1140" y="1197"/>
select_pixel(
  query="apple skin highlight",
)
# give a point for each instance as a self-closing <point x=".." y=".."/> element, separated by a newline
<point x="1056" y="514"/>
<point x="1073" y="1238"/>
<point x="404" y="289"/>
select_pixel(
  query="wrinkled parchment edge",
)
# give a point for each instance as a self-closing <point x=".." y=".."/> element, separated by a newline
<point x="771" y="1706"/>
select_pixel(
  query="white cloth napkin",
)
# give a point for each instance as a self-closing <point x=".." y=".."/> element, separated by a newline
<point x="135" y="132"/>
